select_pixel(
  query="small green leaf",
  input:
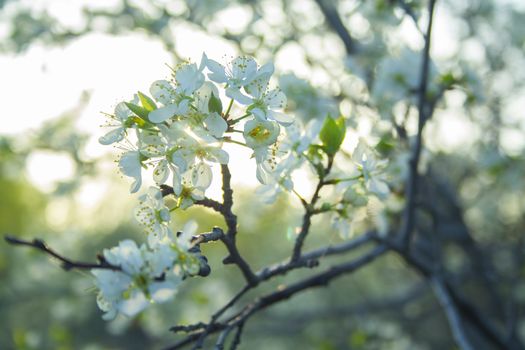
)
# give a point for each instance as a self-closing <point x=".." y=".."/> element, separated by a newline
<point x="326" y="207"/>
<point x="215" y="104"/>
<point x="138" y="110"/>
<point x="448" y="79"/>
<point x="386" y="144"/>
<point x="147" y="102"/>
<point x="332" y="134"/>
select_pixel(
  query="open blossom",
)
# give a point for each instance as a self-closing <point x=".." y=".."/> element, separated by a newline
<point x="153" y="215"/>
<point x="132" y="289"/>
<point x="196" y="145"/>
<point x="189" y="77"/>
<point x="147" y="274"/>
<point x="192" y="184"/>
<point x="371" y="169"/>
<point x="121" y="117"/>
<point x="240" y="72"/>
<point x="259" y="134"/>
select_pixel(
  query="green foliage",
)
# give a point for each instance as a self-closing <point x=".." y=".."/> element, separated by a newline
<point x="141" y="112"/>
<point x="147" y="102"/>
<point x="332" y="134"/>
<point x="215" y="104"/>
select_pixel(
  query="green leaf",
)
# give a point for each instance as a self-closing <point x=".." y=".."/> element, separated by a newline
<point x="215" y="104"/>
<point x="138" y="110"/>
<point x="147" y="102"/>
<point x="332" y="134"/>
<point x="386" y="145"/>
<point x="448" y="79"/>
<point x="326" y="207"/>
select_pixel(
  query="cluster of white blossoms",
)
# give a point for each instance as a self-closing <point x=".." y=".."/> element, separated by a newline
<point x="149" y="273"/>
<point x="178" y="134"/>
<point x="179" y="131"/>
<point x="366" y="179"/>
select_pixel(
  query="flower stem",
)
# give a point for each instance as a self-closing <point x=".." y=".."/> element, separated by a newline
<point x="234" y="121"/>
<point x="227" y="114"/>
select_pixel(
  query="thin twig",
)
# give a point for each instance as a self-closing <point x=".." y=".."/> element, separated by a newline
<point x="309" y="212"/>
<point x="310" y="259"/>
<point x="237" y="338"/>
<point x="66" y="264"/>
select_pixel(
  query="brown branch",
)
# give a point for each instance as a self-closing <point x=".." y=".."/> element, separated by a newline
<point x="467" y="310"/>
<point x="66" y="264"/>
<point x="454" y="319"/>
<point x="310" y="211"/>
<point x="409" y="220"/>
<point x="335" y="22"/>
<point x="318" y="280"/>
<point x="307" y="260"/>
<point x="225" y="209"/>
<point x="228" y="239"/>
<point x="310" y="259"/>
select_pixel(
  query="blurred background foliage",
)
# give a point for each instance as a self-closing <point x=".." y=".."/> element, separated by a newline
<point x="475" y="167"/>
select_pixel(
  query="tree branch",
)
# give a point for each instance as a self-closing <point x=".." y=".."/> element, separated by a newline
<point x="335" y="22"/>
<point x="310" y="211"/>
<point x="456" y="326"/>
<point x="409" y="219"/>
<point x="310" y="259"/>
<point x="66" y="264"/>
<point x="320" y="279"/>
<point x="230" y="218"/>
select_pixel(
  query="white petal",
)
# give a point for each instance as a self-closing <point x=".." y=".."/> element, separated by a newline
<point x="122" y="111"/>
<point x="216" y="125"/>
<point x="197" y="194"/>
<point x="238" y="96"/>
<point x="379" y="188"/>
<point x="180" y="160"/>
<point x="266" y="69"/>
<point x="201" y="176"/>
<point x="162" y="291"/>
<point x="130" y="166"/>
<point x="190" y="229"/>
<point x="161" y="114"/>
<point x="113" y="136"/>
<point x="218" y="155"/>
<point x="217" y="74"/>
<point x="275" y="99"/>
<point x="263" y="175"/>
<point x="259" y="114"/>
<point x="161" y="172"/>
<point x="258" y="86"/>
<point x="281" y="118"/>
<point x="189" y="78"/>
<point x="135" y="304"/>
<point x="162" y="91"/>
<point x="177" y="181"/>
